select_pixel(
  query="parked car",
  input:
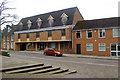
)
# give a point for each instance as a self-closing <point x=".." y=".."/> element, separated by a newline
<point x="52" y="51"/>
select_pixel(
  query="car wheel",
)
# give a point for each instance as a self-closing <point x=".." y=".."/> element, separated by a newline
<point x="45" y="53"/>
<point x="55" y="54"/>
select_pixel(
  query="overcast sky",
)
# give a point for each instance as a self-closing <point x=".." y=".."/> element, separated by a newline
<point x="90" y="9"/>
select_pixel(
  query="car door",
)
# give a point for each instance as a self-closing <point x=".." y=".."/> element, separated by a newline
<point x="51" y="52"/>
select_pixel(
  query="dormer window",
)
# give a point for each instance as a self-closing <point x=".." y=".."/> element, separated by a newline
<point x="39" y="22"/>
<point x="64" y="18"/>
<point x="29" y="24"/>
<point x="51" y="20"/>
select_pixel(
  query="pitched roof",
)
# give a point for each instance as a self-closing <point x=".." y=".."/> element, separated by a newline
<point x="97" y="23"/>
<point x="55" y="14"/>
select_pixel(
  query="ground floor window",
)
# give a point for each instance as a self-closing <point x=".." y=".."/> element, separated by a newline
<point x="89" y="47"/>
<point x="31" y="46"/>
<point x="101" y="46"/>
<point x="41" y="46"/>
<point x="115" y="49"/>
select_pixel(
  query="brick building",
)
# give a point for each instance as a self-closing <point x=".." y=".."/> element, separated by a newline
<point x="8" y="38"/>
<point x="97" y="37"/>
<point x="46" y="30"/>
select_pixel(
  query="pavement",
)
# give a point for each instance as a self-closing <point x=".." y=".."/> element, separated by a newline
<point x="81" y="55"/>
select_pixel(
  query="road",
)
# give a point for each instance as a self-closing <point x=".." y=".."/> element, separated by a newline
<point x="86" y="67"/>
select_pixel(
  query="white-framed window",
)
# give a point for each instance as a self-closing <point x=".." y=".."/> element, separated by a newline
<point x="11" y="45"/>
<point x="101" y="33"/>
<point x="116" y="32"/>
<point x="115" y="49"/>
<point x="89" y="33"/>
<point x="4" y="38"/>
<point x="7" y="38"/>
<point x="102" y="47"/>
<point x="4" y="45"/>
<point x="78" y="34"/>
<point x="89" y="47"/>
<point x="12" y="38"/>
<point x="7" y="45"/>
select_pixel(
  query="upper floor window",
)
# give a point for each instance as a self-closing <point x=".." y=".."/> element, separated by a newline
<point x="116" y="32"/>
<point x="29" y="24"/>
<point x="27" y="35"/>
<point x="63" y="32"/>
<point x="51" y="21"/>
<point x="4" y="38"/>
<point x="12" y="38"/>
<point x="49" y="33"/>
<point x="39" y="22"/>
<point x="89" y="33"/>
<point x="90" y="47"/>
<point x="18" y="36"/>
<point x="7" y="38"/>
<point x="37" y="35"/>
<point x="101" y="46"/>
<point x="78" y="34"/>
<point x="4" y="45"/>
<point x="11" y="45"/>
<point x="64" y="18"/>
<point x="101" y="33"/>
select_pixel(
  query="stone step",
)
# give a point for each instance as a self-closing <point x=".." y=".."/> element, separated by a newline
<point x="29" y="69"/>
<point x="68" y="72"/>
<point x="59" y="71"/>
<point x="21" y="67"/>
<point x="44" y="70"/>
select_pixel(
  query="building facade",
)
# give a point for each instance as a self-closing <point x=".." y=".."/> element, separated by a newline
<point x="8" y="38"/>
<point x="97" y="37"/>
<point x="47" y="30"/>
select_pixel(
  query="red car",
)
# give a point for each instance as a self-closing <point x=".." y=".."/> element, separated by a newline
<point x="51" y="51"/>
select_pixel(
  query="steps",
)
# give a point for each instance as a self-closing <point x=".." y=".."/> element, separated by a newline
<point x="37" y="69"/>
<point x="28" y="69"/>
<point x="45" y="70"/>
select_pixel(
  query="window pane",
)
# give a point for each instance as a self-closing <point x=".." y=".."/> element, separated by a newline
<point x="116" y="32"/>
<point x="113" y="47"/>
<point x="113" y="53"/>
<point x="118" y="47"/>
<point x="78" y="34"/>
<point x="89" y="47"/>
<point x="118" y="53"/>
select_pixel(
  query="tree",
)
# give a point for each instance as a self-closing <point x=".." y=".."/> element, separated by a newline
<point x="5" y="17"/>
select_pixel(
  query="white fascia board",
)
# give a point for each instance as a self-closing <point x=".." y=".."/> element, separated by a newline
<point x="96" y="28"/>
<point x="44" y="29"/>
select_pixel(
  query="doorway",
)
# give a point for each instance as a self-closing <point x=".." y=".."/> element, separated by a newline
<point x="23" y="47"/>
<point x="78" y="48"/>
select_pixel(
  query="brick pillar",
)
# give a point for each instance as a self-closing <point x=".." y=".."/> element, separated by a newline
<point x="46" y="45"/>
<point x="59" y="46"/>
<point x="36" y="47"/>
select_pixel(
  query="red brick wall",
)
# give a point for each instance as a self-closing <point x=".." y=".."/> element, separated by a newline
<point x="83" y="41"/>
